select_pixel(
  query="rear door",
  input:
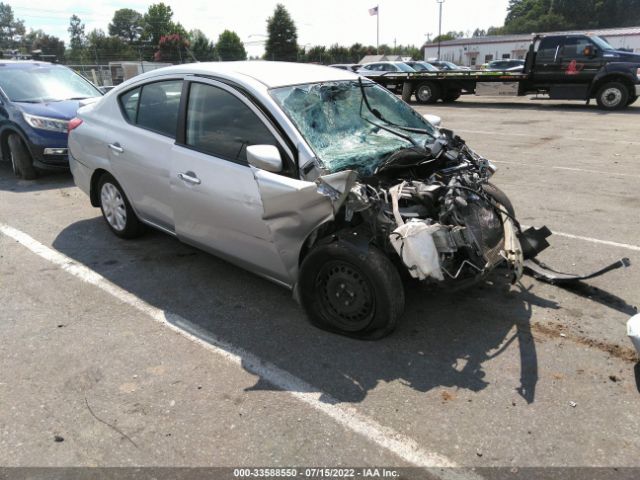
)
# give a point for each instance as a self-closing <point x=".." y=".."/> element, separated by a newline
<point x="215" y="196"/>
<point x="548" y="66"/>
<point x="140" y="147"/>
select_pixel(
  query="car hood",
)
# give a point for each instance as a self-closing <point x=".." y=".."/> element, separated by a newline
<point x="621" y="56"/>
<point x="64" y="110"/>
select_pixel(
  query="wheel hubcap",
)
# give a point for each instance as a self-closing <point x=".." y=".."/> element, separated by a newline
<point x="424" y="93"/>
<point x="113" y="206"/>
<point x="346" y="295"/>
<point x="612" y="97"/>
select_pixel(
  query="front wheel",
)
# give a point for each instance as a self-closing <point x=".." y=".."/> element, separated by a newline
<point x="20" y="157"/>
<point x="612" y="96"/>
<point x="351" y="292"/>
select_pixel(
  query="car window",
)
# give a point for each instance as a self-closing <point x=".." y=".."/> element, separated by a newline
<point x="220" y="124"/>
<point x="158" y="107"/>
<point x="574" y="47"/>
<point x="129" y="102"/>
<point x="548" y="48"/>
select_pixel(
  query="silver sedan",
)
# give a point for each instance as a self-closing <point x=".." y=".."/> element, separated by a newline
<point x="310" y="176"/>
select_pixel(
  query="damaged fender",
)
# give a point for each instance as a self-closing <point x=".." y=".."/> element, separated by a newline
<point x="292" y="209"/>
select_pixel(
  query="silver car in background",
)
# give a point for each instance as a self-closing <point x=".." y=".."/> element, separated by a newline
<point x="310" y="176"/>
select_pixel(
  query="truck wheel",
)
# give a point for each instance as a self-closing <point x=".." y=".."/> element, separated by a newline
<point x="351" y="292"/>
<point x="612" y="96"/>
<point x="116" y="209"/>
<point x="451" y="96"/>
<point x="21" y="161"/>
<point x="427" y="93"/>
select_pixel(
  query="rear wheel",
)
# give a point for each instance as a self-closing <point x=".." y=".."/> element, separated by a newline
<point x="351" y="292"/>
<point x="613" y="96"/>
<point x="451" y="96"/>
<point x="427" y="92"/>
<point x="117" y="210"/>
<point x="20" y="157"/>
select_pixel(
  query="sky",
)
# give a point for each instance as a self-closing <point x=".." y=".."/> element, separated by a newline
<point x="322" y="22"/>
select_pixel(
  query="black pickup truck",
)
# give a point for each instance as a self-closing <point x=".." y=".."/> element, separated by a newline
<point x="565" y="67"/>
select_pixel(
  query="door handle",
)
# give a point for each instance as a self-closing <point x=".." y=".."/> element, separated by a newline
<point x="190" y="177"/>
<point x="116" y="147"/>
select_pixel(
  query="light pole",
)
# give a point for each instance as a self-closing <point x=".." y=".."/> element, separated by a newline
<point x="440" y="2"/>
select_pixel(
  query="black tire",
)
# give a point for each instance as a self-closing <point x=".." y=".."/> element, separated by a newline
<point x="20" y="158"/>
<point x="632" y="100"/>
<point x="116" y="209"/>
<point x="451" y="96"/>
<point x="500" y="197"/>
<point x="613" y="96"/>
<point x="427" y="93"/>
<point x="367" y="282"/>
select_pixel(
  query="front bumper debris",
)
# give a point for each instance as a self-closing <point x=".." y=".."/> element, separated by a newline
<point x="542" y="272"/>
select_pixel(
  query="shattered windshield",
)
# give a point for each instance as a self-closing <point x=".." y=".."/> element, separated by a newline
<point x="352" y="125"/>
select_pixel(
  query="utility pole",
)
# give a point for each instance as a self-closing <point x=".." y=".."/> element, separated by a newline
<point x="440" y="2"/>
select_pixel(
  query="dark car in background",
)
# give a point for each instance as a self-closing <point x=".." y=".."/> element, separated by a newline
<point x="37" y="101"/>
<point x="351" y="67"/>
<point x="420" y="66"/>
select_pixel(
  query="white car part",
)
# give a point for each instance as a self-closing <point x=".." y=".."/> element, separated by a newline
<point x="415" y="245"/>
<point x="633" y="330"/>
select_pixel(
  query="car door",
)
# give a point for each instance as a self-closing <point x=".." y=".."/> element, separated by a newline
<point x="548" y="66"/>
<point x="216" y="199"/>
<point x="140" y="148"/>
<point x="578" y="67"/>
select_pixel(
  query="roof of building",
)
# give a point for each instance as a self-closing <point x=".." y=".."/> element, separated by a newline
<point x="609" y="32"/>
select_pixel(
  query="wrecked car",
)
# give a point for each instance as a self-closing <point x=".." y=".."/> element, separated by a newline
<point x="312" y="177"/>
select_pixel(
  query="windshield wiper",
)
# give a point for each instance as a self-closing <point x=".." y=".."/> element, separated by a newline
<point x="376" y="113"/>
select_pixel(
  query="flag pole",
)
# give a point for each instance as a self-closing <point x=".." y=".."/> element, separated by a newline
<point x="378" y="29"/>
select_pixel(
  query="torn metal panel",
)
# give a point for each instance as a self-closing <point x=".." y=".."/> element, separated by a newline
<point x="542" y="272"/>
<point x="337" y="186"/>
<point x="292" y="210"/>
<point x="512" y="248"/>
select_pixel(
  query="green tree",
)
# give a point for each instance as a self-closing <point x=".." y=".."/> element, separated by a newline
<point x="76" y="32"/>
<point x="47" y="44"/>
<point x="282" y="41"/>
<point x="10" y="27"/>
<point x="317" y="54"/>
<point x="230" y="47"/>
<point x="126" y="24"/>
<point x="101" y="48"/>
<point x="157" y="23"/>
<point x="448" y="36"/>
<point x="201" y="47"/>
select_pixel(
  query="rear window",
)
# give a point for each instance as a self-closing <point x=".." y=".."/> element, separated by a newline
<point x="154" y="106"/>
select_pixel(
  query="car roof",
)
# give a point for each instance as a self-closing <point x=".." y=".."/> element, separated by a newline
<point x="270" y="74"/>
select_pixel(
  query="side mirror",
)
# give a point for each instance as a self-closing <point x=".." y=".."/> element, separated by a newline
<point x="434" y="120"/>
<point x="265" y="157"/>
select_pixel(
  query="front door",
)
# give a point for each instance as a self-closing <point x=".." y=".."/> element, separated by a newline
<point x="215" y="197"/>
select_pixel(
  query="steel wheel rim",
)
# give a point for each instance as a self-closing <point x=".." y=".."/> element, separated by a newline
<point x="612" y="97"/>
<point x="346" y="296"/>
<point x="424" y="93"/>
<point x="113" y="207"/>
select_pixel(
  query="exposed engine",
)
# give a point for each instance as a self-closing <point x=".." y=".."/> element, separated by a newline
<point x="436" y="209"/>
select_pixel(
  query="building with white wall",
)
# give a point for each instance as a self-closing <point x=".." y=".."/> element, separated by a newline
<point x="473" y="52"/>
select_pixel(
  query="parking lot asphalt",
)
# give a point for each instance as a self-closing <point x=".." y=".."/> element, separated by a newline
<point x="150" y="352"/>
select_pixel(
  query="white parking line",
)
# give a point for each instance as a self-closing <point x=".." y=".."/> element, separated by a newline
<point x="571" y="169"/>
<point x="634" y="248"/>
<point x="595" y="138"/>
<point x="347" y="416"/>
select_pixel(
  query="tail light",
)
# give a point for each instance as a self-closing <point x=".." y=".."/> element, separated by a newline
<point x="73" y="123"/>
